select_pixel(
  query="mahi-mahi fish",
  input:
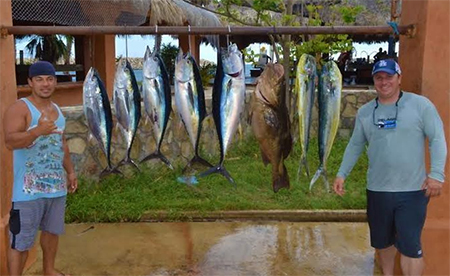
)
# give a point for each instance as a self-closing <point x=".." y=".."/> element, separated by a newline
<point x="97" y="110"/>
<point x="305" y="86"/>
<point x="157" y="99"/>
<point x="228" y="101"/>
<point x="329" y="98"/>
<point x="270" y="123"/>
<point x="127" y="103"/>
<point x="190" y="102"/>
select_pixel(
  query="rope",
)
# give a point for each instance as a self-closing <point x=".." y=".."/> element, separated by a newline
<point x="394" y="27"/>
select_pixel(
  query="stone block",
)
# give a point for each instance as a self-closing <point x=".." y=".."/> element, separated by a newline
<point x="76" y="145"/>
<point x="75" y="127"/>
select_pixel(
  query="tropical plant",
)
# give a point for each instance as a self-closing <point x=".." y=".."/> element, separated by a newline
<point x="49" y="47"/>
<point x="207" y="72"/>
<point x="169" y="53"/>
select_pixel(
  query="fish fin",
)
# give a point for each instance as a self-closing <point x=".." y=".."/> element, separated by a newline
<point x="219" y="169"/>
<point x="197" y="160"/>
<point x="281" y="180"/>
<point x="320" y="172"/>
<point x="128" y="161"/>
<point x="191" y="94"/>
<point x="160" y="156"/>
<point x="303" y="164"/>
<point x="108" y="170"/>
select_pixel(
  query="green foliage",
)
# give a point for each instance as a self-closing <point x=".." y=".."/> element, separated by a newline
<point x="207" y="73"/>
<point x="327" y="44"/>
<point x="48" y="47"/>
<point x="349" y="13"/>
<point x="169" y="54"/>
<point x="116" y="199"/>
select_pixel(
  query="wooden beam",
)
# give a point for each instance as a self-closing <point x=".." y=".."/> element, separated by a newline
<point x="238" y="30"/>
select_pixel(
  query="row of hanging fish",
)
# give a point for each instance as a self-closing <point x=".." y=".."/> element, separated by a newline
<point x="270" y="119"/>
<point x="97" y="109"/>
<point x="329" y="102"/>
<point x="228" y="104"/>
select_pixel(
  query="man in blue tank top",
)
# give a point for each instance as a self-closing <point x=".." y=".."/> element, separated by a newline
<point x="394" y="127"/>
<point x="43" y="171"/>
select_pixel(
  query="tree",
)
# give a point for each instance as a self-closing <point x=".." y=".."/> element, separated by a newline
<point x="340" y="12"/>
<point x="49" y="47"/>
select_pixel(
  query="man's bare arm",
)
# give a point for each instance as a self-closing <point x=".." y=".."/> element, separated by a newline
<point x="15" y="127"/>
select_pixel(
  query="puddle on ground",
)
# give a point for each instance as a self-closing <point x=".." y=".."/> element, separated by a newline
<point x="215" y="249"/>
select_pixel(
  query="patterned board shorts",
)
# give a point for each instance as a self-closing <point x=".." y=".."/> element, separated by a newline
<point x="27" y="217"/>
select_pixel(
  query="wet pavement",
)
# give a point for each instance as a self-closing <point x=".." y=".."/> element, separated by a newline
<point x="215" y="248"/>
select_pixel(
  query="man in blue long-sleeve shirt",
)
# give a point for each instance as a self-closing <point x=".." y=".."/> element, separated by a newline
<point x="394" y="127"/>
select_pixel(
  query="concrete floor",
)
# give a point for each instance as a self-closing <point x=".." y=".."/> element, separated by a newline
<point x="215" y="248"/>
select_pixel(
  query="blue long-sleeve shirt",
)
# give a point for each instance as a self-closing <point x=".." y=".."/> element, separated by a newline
<point x="397" y="155"/>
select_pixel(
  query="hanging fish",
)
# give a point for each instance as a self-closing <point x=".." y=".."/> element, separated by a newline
<point x="127" y="103"/>
<point x="157" y="99"/>
<point x="270" y="123"/>
<point x="98" y="115"/>
<point x="305" y="86"/>
<point x="190" y="102"/>
<point x="330" y="88"/>
<point x="228" y="101"/>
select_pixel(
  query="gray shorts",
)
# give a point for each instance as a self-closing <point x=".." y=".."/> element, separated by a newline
<point x="27" y="217"/>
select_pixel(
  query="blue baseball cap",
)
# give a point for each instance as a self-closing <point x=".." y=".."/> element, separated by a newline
<point x="41" y="68"/>
<point x="389" y="66"/>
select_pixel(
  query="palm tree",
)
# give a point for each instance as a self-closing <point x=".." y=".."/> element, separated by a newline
<point x="48" y="47"/>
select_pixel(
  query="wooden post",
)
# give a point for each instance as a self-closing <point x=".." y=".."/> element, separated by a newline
<point x="7" y="96"/>
<point x="425" y="63"/>
<point x="100" y="52"/>
<point x="194" y="44"/>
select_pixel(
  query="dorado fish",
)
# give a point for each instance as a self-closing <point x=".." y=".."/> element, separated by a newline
<point x="157" y="99"/>
<point x="228" y="101"/>
<point x="98" y="115"/>
<point x="330" y="88"/>
<point x="305" y="86"/>
<point x="127" y="103"/>
<point x="190" y="102"/>
<point x="270" y="123"/>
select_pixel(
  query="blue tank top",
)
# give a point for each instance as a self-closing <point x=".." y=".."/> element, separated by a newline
<point x="38" y="169"/>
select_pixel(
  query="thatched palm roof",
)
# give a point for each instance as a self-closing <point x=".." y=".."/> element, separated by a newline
<point x="111" y="13"/>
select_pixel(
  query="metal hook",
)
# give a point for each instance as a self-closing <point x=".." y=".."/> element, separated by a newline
<point x="228" y="35"/>
<point x="156" y="28"/>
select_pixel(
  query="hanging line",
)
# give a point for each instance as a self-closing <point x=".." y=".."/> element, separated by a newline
<point x="228" y="35"/>
<point x="126" y="47"/>
<point x="394" y="27"/>
<point x="189" y="38"/>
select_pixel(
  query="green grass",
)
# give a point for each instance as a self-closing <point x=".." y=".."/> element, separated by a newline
<point x="116" y="199"/>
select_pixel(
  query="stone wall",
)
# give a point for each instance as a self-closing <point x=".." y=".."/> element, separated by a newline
<point x="89" y="160"/>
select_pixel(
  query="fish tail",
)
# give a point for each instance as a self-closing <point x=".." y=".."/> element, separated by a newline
<point x="128" y="160"/>
<point x="280" y="180"/>
<point x="160" y="156"/>
<point x="320" y="172"/>
<point x="218" y="169"/>
<point x="303" y="164"/>
<point x="110" y="170"/>
<point x="196" y="160"/>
